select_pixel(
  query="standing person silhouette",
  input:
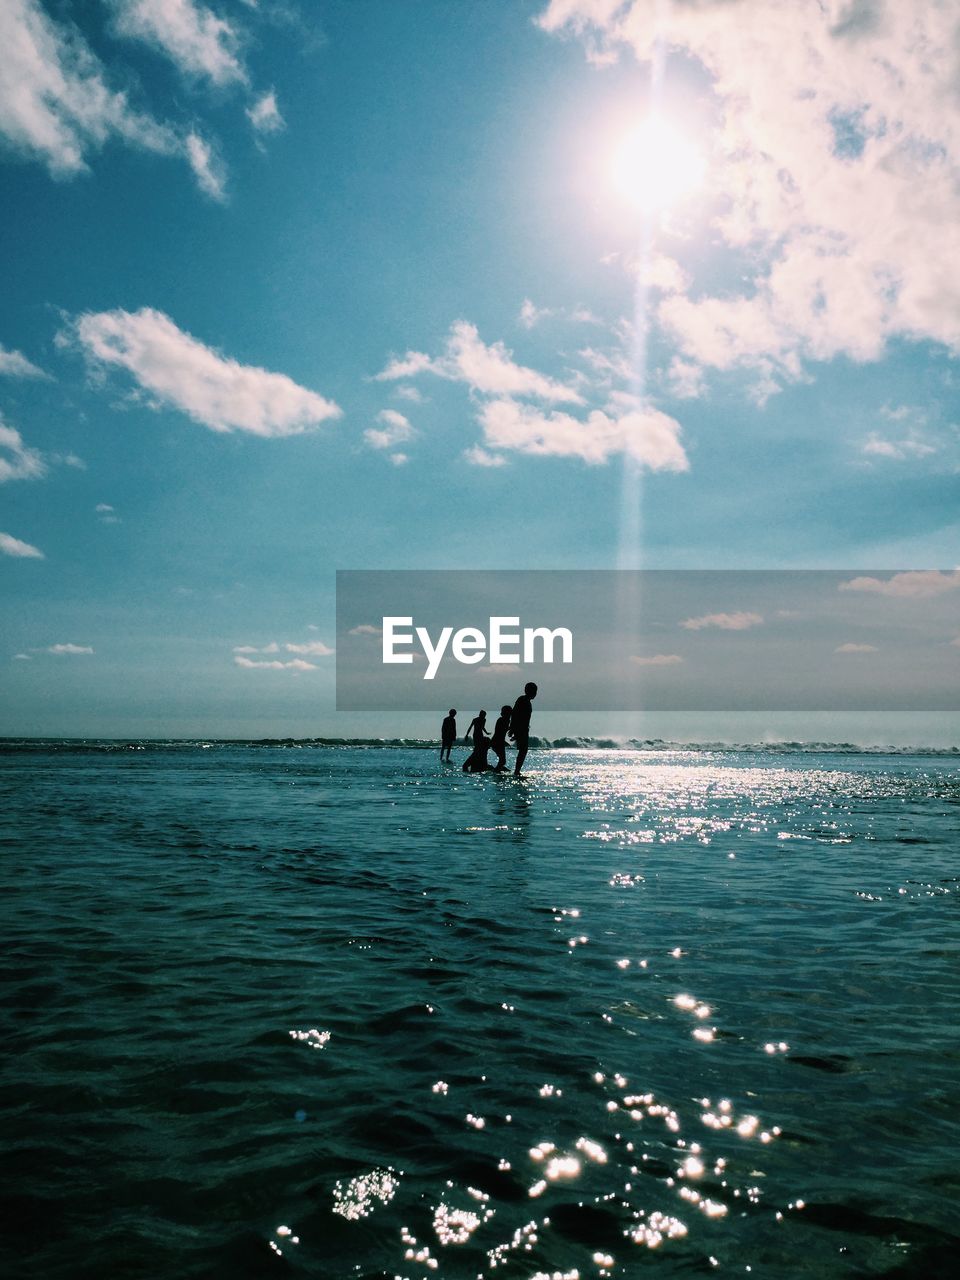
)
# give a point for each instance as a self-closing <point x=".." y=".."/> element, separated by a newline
<point x="477" y="728"/>
<point x="520" y="724"/>
<point x="498" y="742"/>
<point x="448" y="734"/>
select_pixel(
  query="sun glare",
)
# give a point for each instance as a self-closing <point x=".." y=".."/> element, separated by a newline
<point x="655" y="165"/>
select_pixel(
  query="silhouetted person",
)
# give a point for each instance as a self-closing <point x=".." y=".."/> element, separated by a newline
<point x="498" y="742"/>
<point x="478" y="727"/>
<point x="448" y="734"/>
<point x="520" y="724"/>
<point x="476" y="762"/>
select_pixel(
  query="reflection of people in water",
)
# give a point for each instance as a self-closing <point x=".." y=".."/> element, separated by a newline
<point x="448" y="734"/>
<point x="499" y="740"/>
<point x="520" y="724"/>
<point x="476" y="762"/>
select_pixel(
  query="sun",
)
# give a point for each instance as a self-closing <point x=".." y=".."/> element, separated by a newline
<point x="655" y="165"/>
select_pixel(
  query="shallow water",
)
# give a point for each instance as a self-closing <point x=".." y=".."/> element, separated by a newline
<point x="334" y="1011"/>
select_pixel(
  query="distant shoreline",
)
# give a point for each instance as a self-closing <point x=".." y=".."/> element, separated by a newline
<point x="787" y="747"/>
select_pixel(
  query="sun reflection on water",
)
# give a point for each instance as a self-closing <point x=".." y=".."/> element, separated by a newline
<point x="603" y="1131"/>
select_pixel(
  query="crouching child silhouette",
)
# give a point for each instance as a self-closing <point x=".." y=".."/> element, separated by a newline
<point x="476" y="762"/>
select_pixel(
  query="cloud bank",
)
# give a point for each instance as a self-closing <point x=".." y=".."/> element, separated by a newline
<point x="510" y="424"/>
<point x="309" y="649"/>
<point x="56" y="105"/>
<point x="917" y="584"/>
<point x="646" y="435"/>
<point x="488" y="370"/>
<point x="834" y="172"/>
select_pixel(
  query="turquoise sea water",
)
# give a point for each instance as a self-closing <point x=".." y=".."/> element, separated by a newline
<point x="340" y="1012"/>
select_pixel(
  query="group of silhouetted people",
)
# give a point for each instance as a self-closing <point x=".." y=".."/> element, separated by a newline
<point x="512" y="722"/>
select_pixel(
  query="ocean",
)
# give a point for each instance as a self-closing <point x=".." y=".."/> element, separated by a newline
<point x="334" y="1011"/>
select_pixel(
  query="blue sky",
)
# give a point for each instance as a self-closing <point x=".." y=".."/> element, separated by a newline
<point x="298" y="287"/>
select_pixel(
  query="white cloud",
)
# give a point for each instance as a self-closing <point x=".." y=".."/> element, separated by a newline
<point x="833" y="167"/>
<point x="903" y="413"/>
<point x="661" y="272"/>
<point x="106" y="514"/>
<point x="656" y="660"/>
<point x="739" y="621"/>
<point x="492" y="370"/>
<point x="530" y="314"/>
<point x="898" y="450"/>
<point x="13" y="364"/>
<point x="399" y="459"/>
<point x="583" y="315"/>
<point x="207" y="169"/>
<point x="489" y="370"/>
<point x="407" y="366"/>
<point x="619" y="402"/>
<point x="395" y="430"/>
<point x="55" y="103"/>
<point x="68" y="460"/>
<point x="856" y="648"/>
<point x="308" y="649"/>
<point x="17" y="461"/>
<point x="685" y="379"/>
<point x="366" y="629"/>
<point x="765" y="386"/>
<point x="608" y="365"/>
<point x="180" y="371"/>
<point x="647" y="435"/>
<point x="478" y="457"/>
<point x="295" y="664"/>
<point x="404" y="392"/>
<point x="69" y="649"/>
<point x="22" y="657"/>
<point x="265" y="115"/>
<point x="196" y="39"/>
<point x="913" y="441"/>
<point x="11" y="546"/>
<point x="312" y="649"/>
<point x="916" y="584"/>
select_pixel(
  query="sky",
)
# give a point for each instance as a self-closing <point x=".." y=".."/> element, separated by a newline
<point x="299" y="286"/>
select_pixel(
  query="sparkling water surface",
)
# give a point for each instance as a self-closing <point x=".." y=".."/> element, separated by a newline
<point x="344" y="1012"/>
